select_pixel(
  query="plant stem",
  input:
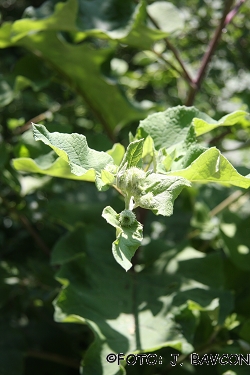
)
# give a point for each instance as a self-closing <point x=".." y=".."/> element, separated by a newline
<point x="220" y="207"/>
<point x="219" y="137"/>
<point x="233" y="12"/>
<point x="176" y="54"/>
<point x="161" y="57"/>
<point x="42" y="116"/>
<point x="178" y="58"/>
<point x="227" y="202"/>
<point x="208" y="54"/>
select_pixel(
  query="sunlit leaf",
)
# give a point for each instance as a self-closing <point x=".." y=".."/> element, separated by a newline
<point x="73" y="148"/>
<point x="57" y="168"/>
<point x="170" y="127"/>
<point x="212" y="166"/>
<point x="204" y="126"/>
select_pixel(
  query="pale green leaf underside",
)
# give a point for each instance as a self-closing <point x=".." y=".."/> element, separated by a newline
<point x="160" y="192"/>
<point x="59" y="168"/>
<point x="212" y="166"/>
<point x="127" y="241"/>
<point x="73" y="148"/>
<point x="202" y="126"/>
<point x="111" y="216"/>
<point x="170" y="127"/>
<point x="166" y="16"/>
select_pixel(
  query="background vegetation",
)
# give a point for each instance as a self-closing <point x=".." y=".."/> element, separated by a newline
<point x="97" y="68"/>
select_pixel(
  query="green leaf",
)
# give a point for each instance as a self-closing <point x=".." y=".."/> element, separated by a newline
<point x="138" y="34"/>
<point x="102" y="19"/>
<point x="107" y="177"/>
<point x="128" y="238"/>
<point x="150" y="313"/>
<point x="164" y="160"/>
<point x="76" y="243"/>
<point x="166" y="16"/>
<point x="6" y="93"/>
<point x="109" y="19"/>
<point x="117" y="152"/>
<point x="73" y="148"/>
<point x="62" y="19"/>
<point x="236" y="239"/>
<point x="133" y="155"/>
<point x="212" y="166"/>
<point x="5" y="35"/>
<point x="91" y="78"/>
<point x="148" y="147"/>
<point x="185" y="154"/>
<point x="204" y="126"/>
<point x="159" y="193"/>
<point x="57" y="168"/>
<point x="170" y="127"/>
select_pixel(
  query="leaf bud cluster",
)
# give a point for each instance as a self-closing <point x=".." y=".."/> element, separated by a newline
<point x="130" y="181"/>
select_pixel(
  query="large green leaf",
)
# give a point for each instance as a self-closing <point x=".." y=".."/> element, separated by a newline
<point x="125" y="22"/>
<point x="106" y="19"/>
<point x="204" y="126"/>
<point x="73" y="148"/>
<point x="62" y="19"/>
<point x="86" y="69"/>
<point x="116" y="20"/>
<point x="170" y="127"/>
<point x="212" y="166"/>
<point x="89" y="77"/>
<point x="136" y="311"/>
<point x="95" y="19"/>
<point x="54" y="168"/>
